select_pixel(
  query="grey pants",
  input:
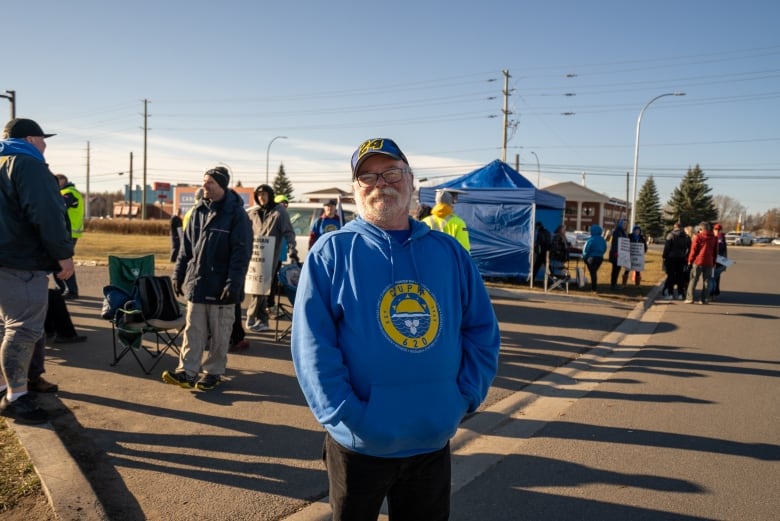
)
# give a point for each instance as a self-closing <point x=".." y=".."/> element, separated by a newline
<point x="207" y="324"/>
<point x="23" y="302"/>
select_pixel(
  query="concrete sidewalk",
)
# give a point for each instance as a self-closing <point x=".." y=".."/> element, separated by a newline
<point x="250" y="449"/>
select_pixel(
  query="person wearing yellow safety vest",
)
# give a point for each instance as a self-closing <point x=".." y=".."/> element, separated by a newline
<point x="188" y="213"/>
<point x="444" y="219"/>
<point x="74" y="202"/>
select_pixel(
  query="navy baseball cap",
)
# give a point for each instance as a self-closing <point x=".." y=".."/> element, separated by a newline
<point x="22" y="128"/>
<point x="373" y="146"/>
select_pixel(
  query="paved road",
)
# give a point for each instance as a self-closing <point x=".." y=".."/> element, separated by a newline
<point x="669" y="417"/>
<point x="685" y="426"/>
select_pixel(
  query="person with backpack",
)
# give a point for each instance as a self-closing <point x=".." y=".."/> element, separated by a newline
<point x="675" y="257"/>
<point x="542" y="244"/>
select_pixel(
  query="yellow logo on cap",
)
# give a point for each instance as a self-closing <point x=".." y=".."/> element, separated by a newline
<point x="409" y="315"/>
<point x="369" y="145"/>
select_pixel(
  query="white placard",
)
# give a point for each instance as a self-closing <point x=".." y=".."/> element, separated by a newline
<point x="637" y="256"/>
<point x="631" y="255"/>
<point x="624" y="252"/>
<point x="723" y="261"/>
<point x="259" y="275"/>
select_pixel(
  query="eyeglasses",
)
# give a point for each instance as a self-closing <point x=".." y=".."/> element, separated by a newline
<point x="390" y="176"/>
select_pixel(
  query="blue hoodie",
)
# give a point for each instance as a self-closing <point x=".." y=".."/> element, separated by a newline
<point x="393" y="343"/>
<point x="595" y="246"/>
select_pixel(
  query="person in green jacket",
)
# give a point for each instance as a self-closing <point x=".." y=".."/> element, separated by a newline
<point x="74" y="202"/>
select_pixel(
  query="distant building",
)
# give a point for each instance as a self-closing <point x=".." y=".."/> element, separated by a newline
<point x="326" y="194"/>
<point x="585" y="207"/>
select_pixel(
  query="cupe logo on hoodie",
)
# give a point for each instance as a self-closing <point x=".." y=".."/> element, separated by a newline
<point x="409" y="315"/>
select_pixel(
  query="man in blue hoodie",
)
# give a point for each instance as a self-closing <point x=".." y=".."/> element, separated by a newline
<point x="35" y="240"/>
<point x="394" y="341"/>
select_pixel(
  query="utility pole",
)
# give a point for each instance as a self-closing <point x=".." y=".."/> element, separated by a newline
<point x="628" y="176"/>
<point x="506" y="112"/>
<point x="130" y="190"/>
<point x="143" y="190"/>
<point x="86" y="199"/>
<point x="10" y="95"/>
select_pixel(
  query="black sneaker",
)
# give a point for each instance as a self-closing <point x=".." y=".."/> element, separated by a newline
<point x="208" y="382"/>
<point x="24" y="410"/>
<point x="178" y="378"/>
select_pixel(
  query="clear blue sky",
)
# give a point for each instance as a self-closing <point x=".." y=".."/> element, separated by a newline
<point x="223" y="79"/>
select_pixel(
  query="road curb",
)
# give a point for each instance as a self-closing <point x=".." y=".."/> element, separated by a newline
<point x="69" y="493"/>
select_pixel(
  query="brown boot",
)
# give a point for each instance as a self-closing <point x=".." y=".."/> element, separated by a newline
<point x="40" y="385"/>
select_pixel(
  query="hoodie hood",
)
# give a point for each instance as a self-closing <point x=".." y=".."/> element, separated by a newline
<point x="596" y="230"/>
<point x="441" y="210"/>
<point x="14" y="146"/>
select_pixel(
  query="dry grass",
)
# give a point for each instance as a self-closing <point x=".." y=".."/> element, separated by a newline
<point x="651" y="277"/>
<point x="96" y="246"/>
<point x="18" y="479"/>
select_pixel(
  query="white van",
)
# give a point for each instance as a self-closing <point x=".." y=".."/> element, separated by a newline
<point x="303" y="215"/>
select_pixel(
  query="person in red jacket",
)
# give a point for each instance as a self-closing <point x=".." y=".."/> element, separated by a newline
<point x="704" y="249"/>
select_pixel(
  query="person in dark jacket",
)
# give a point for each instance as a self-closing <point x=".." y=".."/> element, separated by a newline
<point x="559" y="250"/>
<point x="617" y="233"/>
<point x="638" y="237"/>
<point x="675" y="258"/>
<point x="542" y="244"/>
<point x="35" y="240"/>
<point x="722" y="251"/>
<point x="176" y="233"/>
<point x="210" y="273"/>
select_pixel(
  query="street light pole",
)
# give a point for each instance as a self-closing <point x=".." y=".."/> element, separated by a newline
<point x="10" y="95"/>
<point x="538" y="171"/>
<point x="267" y="153"/>
<point x="636" y="152"/>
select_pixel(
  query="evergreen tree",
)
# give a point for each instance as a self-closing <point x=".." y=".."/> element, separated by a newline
<point x="691" y="203"/>
<point x="648" y="210"/>
<point x="282" y="185"/>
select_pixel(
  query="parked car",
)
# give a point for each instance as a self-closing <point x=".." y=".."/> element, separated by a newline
<point x="303" y="215"/>
<point x="776" y="241"/>
<point x="763" y="240"/>
<point x="576" y="240"/>
<point x="739" y="238"/>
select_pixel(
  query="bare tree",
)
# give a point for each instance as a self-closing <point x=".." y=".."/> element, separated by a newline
<point x="728" y="209"/>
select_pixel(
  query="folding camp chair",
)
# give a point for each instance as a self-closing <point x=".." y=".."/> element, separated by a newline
<point x="557" y="276"/>
<point x="287" y="285"/>
<point x="129" y="325"/>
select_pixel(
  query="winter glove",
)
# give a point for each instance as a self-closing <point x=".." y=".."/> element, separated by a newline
<point x="177" y="288"/>
<point x="225" y="294"/>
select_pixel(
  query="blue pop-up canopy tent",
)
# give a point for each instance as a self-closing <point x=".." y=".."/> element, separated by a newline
<point x="500" y="207"/>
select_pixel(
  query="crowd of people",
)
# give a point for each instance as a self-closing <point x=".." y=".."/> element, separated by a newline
<point x="366" y="307"/>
